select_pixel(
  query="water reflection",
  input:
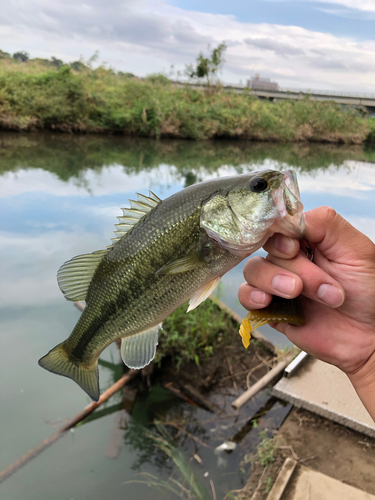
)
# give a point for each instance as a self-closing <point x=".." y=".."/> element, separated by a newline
<point x="69" y="156"/>
<point x="62" y="194"/>
<point x="59" y="197"/>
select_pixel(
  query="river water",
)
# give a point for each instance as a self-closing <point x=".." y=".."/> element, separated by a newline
<point x="59" y="197"/>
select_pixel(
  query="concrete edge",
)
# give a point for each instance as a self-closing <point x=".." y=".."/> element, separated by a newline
<point x="325" y="412"/>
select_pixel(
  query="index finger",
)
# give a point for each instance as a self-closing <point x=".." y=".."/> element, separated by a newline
<point x="282" y="246"/>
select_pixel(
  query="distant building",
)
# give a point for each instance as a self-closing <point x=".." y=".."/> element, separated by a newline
<point x="258" y="83"/>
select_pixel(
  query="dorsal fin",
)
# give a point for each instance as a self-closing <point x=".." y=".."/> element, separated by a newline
<point x="74" y="277"/>
<point x="133" y="215"/>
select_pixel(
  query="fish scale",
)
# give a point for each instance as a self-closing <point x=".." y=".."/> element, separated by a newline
<point x="164" y="253"/>
<point x="141" y="308"/>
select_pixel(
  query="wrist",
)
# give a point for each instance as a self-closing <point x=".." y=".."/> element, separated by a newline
<point x="363" y="381"/>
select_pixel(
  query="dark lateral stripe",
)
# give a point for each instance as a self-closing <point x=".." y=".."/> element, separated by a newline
<point x="143" y="276"/>
<point x="108" y="310"/>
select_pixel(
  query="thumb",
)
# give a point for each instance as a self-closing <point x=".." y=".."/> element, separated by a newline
<point x="335" y="238"/>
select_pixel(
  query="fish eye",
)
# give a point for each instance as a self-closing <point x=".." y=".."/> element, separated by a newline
<point x="258" y="184"/>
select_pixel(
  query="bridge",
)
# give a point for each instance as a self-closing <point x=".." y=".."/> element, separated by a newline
<point x="358" y="100"/>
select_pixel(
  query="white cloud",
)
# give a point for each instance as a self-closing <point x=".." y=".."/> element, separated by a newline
<point x="354" y="177"/>
<point x="109" y="180"/>
<point x="29" y="277"/>
<point x="282" y="49"/>
<point x="364" y="5"/>
<point x="364" y="224"/>
<point x="147" y="36"/>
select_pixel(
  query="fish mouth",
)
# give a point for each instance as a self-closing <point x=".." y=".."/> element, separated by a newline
<point x="288" y="203"/>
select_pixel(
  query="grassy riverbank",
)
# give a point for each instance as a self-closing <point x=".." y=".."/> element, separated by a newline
<point x="36" y="97"/>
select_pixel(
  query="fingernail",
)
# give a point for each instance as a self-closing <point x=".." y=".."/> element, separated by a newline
<point x="284" y="284"/>
<point x="258" y="297"/>
<point x="283" y="244"/>
<point x="331" y="295"/>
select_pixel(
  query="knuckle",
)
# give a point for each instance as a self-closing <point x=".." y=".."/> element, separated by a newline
<point x="329" y="213"/>
<point x="252" y="264"/>
<point x="243" y="289"/>
<point x="257" y="260"/>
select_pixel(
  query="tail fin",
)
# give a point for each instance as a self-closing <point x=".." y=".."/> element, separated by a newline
<point x="57" y="361"/>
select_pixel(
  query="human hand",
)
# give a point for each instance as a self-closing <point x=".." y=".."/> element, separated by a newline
<point x="338" y="292"/>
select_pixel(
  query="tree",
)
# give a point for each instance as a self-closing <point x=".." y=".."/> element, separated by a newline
<point x="207" y="67"/>
<point x="77" y="66"/>
<point x="21" y="56"/>
<point x="56" y="62"/>
<point x="126" y="75"/>
<point x="4" y="55"/>
<point x="92" y="59"/>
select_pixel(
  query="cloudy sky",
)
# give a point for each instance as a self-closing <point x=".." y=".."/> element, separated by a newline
<point x="50" y="220"/>
<point x="298" y="43"/>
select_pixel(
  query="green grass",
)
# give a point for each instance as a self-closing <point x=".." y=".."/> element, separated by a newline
<point x="36" y="96"/>
<point x="370" y="139"/>
<point x="266" y="449"/>
<point x="265" y="453"/>
<point x="188" y="486"/>
<point x="268" y="483"/>
<point x="193" y="336"/>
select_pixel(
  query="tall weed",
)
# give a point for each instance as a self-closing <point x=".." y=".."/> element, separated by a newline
<point x="36" y="96"/>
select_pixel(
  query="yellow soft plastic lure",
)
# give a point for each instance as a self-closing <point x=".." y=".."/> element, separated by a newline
<point x="280" y="310"/>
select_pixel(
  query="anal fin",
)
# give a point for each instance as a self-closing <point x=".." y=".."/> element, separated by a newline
<point x="139" y="350"/>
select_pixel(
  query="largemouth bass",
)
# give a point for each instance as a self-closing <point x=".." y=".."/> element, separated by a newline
<point x="166" y="252"/>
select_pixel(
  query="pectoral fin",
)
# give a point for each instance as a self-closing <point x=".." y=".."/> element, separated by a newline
<point x="202" y="294"/>
<point x="186" y="263"/>
<point x="139" y="350"/>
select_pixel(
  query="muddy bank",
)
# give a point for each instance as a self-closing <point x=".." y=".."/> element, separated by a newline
<point x="315" y="442"/>
<point x="324" y="446"/>
<point x="229" y="365"/>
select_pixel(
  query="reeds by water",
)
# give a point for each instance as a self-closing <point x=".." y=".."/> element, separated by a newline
<point x="36" y="97"/>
